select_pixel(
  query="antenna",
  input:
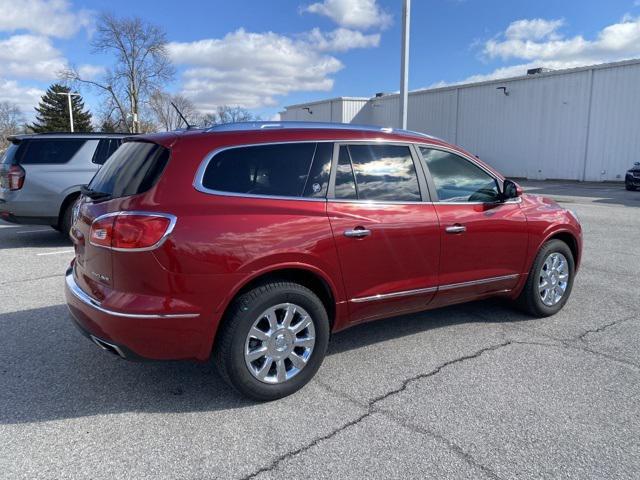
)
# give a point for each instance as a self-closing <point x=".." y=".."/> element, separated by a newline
<point x="181" y="116"/>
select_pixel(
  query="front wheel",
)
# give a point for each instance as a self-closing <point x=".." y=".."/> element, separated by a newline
<point x="550" y="280"/>
<point x="273" y="340"/>
<point x="629" y="187"/>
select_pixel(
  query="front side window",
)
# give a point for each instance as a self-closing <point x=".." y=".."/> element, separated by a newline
<point x="282" y="170"/>
<point x="377" y="172"/>
<point x="51" y="151"/>
<point x="459" y="180"/>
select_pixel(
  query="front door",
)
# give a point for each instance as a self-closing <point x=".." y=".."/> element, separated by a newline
<point x="484" y="240"/>
<point x="387" y="237"/>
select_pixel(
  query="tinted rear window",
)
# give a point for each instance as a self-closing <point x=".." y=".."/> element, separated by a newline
<point x="51" y="151"/>
<point x="285" y="170"/>
<point x="134" y="168"/>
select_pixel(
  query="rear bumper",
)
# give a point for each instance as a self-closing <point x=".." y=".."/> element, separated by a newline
<point x="135" y="336"/>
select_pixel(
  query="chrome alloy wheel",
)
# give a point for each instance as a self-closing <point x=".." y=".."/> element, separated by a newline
<point x="553" y="279"/>
<point x="279" y="343"/>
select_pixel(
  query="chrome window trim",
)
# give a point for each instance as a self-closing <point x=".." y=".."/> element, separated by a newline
<point x="75" y="289"/>
<point x="441" y="288"/>
<point x="172" y="223"/>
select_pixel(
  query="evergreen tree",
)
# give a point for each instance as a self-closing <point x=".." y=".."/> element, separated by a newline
<point x="53" y="112"/>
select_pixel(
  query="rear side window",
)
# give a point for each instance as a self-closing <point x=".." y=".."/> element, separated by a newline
<point x="377" y="172"/>
<point x="134" y="168"/>
<point x="105" y="149"/>
<point x="51" y="151"/>
<point x="283" y="170"/>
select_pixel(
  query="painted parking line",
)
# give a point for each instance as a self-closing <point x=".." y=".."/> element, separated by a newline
<point x="35" y="231"/>
<point x="59" y="252"/>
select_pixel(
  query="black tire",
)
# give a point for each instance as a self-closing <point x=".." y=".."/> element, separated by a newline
<point x="529" y="300"/>
<point x="232" y="335"/>
<point x="631" y="188"/>
<point x="64" y="226"/>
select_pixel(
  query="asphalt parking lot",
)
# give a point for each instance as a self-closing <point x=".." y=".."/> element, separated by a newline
<point x="474" y="391"/>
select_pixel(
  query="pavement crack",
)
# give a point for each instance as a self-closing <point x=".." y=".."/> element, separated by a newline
<point x="602" y="328"/>
<point x="371" y="409"/>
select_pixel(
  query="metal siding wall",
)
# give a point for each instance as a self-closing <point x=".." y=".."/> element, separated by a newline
<point x="537" y="131"/>
<point x="614" y="140"/>
<point x="352" y="111"/>
<point x="433" y="113"/>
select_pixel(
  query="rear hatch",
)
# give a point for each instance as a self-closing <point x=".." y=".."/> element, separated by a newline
<point x="131" y="171"/>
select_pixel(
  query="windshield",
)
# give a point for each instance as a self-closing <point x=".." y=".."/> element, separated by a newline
<point x="134" y="168"/>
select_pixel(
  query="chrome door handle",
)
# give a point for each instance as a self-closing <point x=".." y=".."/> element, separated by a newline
<point x="357" y="233"/>
<point x="456" y="229"/>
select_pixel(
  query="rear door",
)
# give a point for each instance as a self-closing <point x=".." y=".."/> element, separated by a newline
<point x="386" y="231"/>
<point x="484" y="240"/>
<point x="52" y="166"/>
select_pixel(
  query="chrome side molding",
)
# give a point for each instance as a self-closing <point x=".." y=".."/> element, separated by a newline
<point x="441" y="288"/>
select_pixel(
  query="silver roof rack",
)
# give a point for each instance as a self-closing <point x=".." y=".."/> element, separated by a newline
<point x="244" y="126"/>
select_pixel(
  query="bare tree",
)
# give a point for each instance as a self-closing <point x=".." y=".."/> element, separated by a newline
<point x="142" y="65"/>
<point x="11" y="122"/>
<point x="228" y="114"/>
<point x="165" y="114"/>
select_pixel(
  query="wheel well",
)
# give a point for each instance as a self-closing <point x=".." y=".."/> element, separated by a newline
<point x="570" y="241"/>
<point x="69" y="199"/>
<point x="312" y="281"/>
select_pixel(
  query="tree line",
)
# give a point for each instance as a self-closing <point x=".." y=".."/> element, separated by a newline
<point x="132" y="89"/>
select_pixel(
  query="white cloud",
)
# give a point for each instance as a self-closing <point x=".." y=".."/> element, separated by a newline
<point x="26" y="98"/>
<point x="253" y="69"/>
<point x="535" y="29"/>
<point x="549" y="47"/>
<point x="30" y="56"/>
<point x="360" y="14"/>
<point x="538" y="43"/>
<point x="46" y="17"/>
<point x="90" y="72"/>
<point x="341" y="40"/>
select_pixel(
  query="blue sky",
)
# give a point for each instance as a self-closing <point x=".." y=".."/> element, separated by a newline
<point x="267" y="54"/>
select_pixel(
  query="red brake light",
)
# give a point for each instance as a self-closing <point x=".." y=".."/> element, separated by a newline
<point x="16" y="176"/>
<point x="130" y="231"/>
<point x="102" y="231"/>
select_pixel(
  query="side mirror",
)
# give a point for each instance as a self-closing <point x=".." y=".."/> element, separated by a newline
<point x="511" y="189"/>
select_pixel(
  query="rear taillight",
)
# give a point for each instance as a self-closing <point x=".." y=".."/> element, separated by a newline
<point x="130" y="231"/>
<point x="15" y="177"/>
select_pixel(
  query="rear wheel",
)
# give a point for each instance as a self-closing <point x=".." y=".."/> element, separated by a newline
<point x="550" y="280"/>
<point x="273" y="340"/>
<point x="66" y="219"/>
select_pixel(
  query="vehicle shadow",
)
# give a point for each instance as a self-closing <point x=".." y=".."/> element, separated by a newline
<point x="599" y="193"/>
<point x="24" y="236"/>
<point x="49" y="371"/>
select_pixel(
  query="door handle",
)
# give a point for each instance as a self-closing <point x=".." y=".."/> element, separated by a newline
<point x="357" y="232"/>
<point x="457" y="228"/>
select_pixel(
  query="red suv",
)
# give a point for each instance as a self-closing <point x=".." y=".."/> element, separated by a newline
<point x="254" y="242"/>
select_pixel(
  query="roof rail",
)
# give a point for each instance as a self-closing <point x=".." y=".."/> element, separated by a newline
<point x="243" y="126"/>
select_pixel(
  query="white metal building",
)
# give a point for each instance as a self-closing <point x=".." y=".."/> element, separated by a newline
<point x="576" y="124"/>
